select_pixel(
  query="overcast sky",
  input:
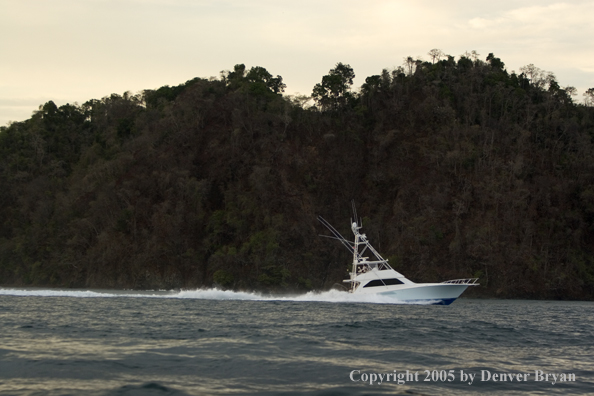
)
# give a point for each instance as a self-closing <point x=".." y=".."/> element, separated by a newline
<point x="75" y="50"/>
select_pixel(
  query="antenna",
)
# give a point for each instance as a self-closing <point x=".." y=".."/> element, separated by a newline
<point x="355" y="211"/>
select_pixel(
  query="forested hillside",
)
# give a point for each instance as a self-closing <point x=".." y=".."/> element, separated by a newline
<point x="459" y="167"/>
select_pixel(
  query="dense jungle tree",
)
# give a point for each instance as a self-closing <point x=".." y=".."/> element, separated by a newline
<point x="334" y="90"/>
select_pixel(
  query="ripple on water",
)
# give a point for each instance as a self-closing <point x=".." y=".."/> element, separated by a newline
<point x="101" y="342"/>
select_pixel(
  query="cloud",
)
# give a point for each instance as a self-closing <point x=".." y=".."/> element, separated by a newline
<point x="481" y="23"/>
<point x="544" y="21"/>
<point x="71" y="50"/>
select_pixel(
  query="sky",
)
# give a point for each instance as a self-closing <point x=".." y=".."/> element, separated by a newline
<point x="75" y="50"/>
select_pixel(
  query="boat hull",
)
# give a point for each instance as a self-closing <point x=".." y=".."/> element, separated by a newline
<point x="419" y="293"/>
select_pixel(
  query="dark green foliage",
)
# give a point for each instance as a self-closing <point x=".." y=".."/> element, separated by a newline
<point x="462" y="169"/>
<point x="153" y="98"/>
<point x="258" y="81"/>
<point x="223" y="278"/>
<point x="334" y="90"/>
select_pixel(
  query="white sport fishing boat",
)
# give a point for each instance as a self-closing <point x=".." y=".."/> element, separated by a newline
<point x="375" y="276"/>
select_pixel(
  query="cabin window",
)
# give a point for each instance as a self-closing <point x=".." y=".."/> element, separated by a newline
<point x="384" y="282"/>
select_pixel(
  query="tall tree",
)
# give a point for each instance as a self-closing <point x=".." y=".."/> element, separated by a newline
<point x="435" y="54"/>
<point x="334" y="90"/>
<point x="589" y="97"/>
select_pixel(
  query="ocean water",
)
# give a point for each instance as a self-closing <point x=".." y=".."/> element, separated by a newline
<point x="211" y="342"/>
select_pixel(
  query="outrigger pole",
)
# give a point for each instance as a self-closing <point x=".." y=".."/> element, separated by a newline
<point x="337" y="235"/>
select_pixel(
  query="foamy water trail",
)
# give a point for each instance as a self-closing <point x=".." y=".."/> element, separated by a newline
<point x="334" y="296"/>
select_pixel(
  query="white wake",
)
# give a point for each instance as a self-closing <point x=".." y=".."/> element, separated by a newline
<point x="334" y="296"/>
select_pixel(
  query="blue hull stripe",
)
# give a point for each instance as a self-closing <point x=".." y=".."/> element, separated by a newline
<point x="441" y="301"/>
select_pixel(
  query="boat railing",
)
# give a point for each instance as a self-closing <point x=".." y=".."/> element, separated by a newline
<point x="469" y="281"/>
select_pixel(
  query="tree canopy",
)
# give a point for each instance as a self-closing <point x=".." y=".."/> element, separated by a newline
<point x="334" y="90"/>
